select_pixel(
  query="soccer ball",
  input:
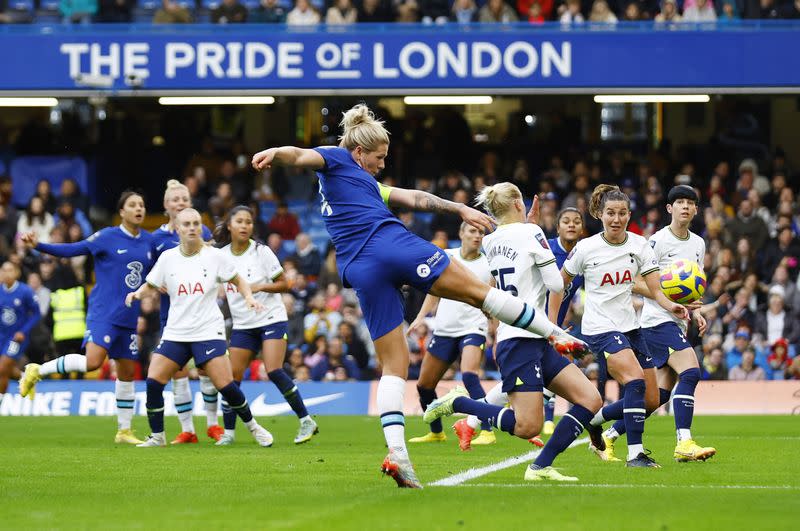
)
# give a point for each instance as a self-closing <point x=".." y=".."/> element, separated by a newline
<point x="683" y="282"/>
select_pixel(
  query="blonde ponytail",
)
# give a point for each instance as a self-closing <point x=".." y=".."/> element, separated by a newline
<point x="361" y="128"/>
<point x="497" y="199"/>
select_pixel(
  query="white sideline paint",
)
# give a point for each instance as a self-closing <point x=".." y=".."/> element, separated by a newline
<point x="551" y="484"/>
<point x="472" y="473"/>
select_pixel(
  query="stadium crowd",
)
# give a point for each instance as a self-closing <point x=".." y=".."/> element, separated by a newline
<point x="748" y="217"/>
<point x="313" y="12"/>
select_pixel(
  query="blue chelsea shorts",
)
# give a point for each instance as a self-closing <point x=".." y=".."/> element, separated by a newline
<point x="392" y="257"/>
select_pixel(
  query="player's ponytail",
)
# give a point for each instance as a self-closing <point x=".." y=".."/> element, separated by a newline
<point x="498" y="199"/>
<point x="222" y="232"/>
<point x="602" y="194"/>
<point x="361" y="128"/>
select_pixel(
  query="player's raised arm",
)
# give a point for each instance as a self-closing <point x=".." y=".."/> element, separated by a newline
<point x="425" y="202"/>
<point x="62" y="250"/>
<point x="288" y="156"/>
<point x="674" y="308"/>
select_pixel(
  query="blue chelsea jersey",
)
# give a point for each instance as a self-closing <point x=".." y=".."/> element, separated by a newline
<point x="19" y="310"/>
<point x="121" y="261"/>
<point x="576" y="284"/>
<point x="163" y="240"/>
<point x="352" y="206"/>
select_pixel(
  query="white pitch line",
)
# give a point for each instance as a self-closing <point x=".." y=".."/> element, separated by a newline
<point x="550" y="484"/>
<point x="472" y="473"/>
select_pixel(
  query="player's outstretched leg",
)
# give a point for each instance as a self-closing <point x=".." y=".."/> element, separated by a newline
<point x="61" y="365"/>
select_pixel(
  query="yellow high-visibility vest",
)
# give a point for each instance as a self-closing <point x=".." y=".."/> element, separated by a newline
<point x="69" y="313"/>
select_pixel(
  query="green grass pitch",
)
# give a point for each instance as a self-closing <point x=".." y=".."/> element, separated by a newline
<point x="67" y="473"/>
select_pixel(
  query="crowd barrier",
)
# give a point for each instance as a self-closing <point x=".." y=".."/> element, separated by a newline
<point x="86" y="398"/>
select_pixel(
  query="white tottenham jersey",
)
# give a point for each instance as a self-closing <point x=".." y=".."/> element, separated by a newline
<point x="191" y="283"/>
<point x="256" y="265"/>
<point x="457" y="319"/>
<point x="669" y="248"/>
<point x="609" y="271"/>
<point x="516" y="252"/>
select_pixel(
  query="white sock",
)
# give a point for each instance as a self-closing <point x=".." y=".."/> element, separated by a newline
<point x="307" y="417"/>
<point x="634" y="450"/>
<point x="251" y="425"/>
<point x="496" y="396"/>
<point x="183" y="401"/>
<point x="611" y="433"/>
<point x="210" y="400"/>
<point x="231" y="433"/>
<point x="512" y="310"/>
<point x="125" y="394"/>
<point x="473" y="422"/>
<point x="598" y="419"/>
<point x="391" y="391"/>
<point x="64" y="365"/>
<point x="684" y="434"/>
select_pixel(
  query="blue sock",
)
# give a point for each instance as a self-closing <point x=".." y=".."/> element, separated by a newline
<point x="155" y="405"/>
<point x="663" y="398"/>
<point x="289" y="391"/>
<point x="613" y="411"/>
<point x="683" y="402"/>
<point x="236" y="401"/>
<point x="426" y="396"/>
<point x="499" y="417"/>
<point x="473" y="384"/>
<point x="634" y="412"/>
<point x="550" y="410"/>
<point x="229" y="415"/>
<point x="567" y="430"/>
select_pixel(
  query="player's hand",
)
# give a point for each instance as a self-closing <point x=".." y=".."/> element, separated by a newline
<point x="477" y="219"/>
<point x="702" y="324"/>
<point x="30" y="239"/>
<point x="254" y="305"/>
<point x="416" y="323"/>
<point x="680" y="311"/>
<point x="263" y="159"/>
<point x="19" y="337"/>
<point x="130" y="297"/>
<point x="533" y="213"/>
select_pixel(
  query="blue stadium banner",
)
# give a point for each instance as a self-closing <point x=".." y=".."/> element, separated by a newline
<point x="400" y="58"/>
<point x="87" y="397"/>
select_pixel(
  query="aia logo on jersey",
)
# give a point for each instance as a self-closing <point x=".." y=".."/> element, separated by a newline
<point x="190" y="289"/>
<point x="541" y="239"/>
<point x="615" y="278"/>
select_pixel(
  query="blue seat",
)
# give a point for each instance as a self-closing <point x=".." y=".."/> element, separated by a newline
<point x="49" y="5"/>
<point x="26" y="172"/>
<point x="251" y="4"/>
<point x="149" y="5"/>
<point x="424" y="217"/>
<point x="210" y="4"/>
<point x="289" y="246"/>
<point x="20" y="5"/>
<point x="2" y="167"/>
